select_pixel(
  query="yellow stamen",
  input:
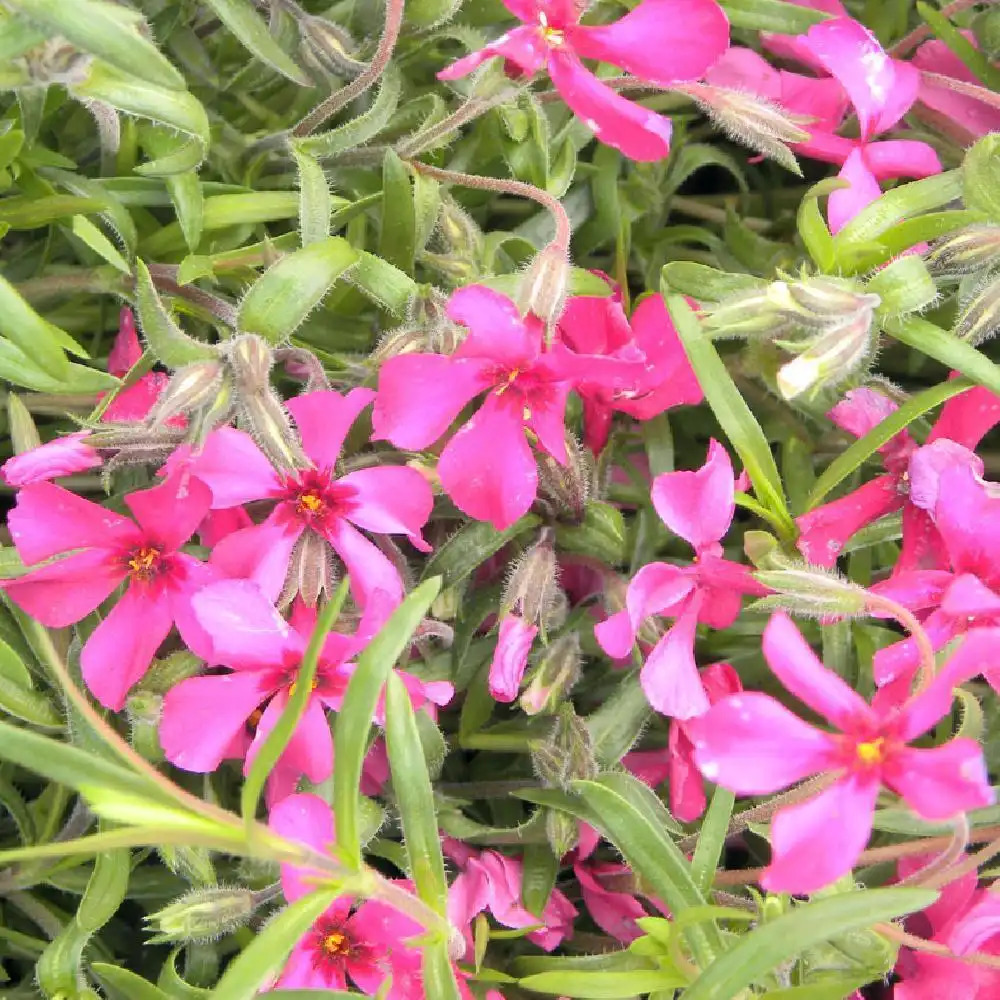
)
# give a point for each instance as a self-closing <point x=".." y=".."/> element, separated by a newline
<point x="143" y="562"/>
<point x="335" y="943"/>
<point x="310" y="503"/>
<point x="872" y="752"/>
<point x="511" y="377"/>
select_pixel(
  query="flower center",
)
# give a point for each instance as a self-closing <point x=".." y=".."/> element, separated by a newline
<point x="552" y="36"/>
<point x="145" y="563"/>
<point x="872" y="752"/>
<point x="312" y="686"/>
<point x="336" y="944"/>
<point x="508" y="379"/>
<point x="309" y="504"/>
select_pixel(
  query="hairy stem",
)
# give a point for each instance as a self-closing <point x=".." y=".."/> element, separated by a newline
<point x="906" y="618"/>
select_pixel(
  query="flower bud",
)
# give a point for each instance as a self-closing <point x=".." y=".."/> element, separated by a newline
<point x="202" y="915"/>
<point x="980" y="318"/>
<point x="61" y="456"/>
<point x="818" y="301"/>
<point x="764" y="551"/>
<point x="311" y="571"/>
<point x="545" y="285"/>
<point x="831" y="358"/>
<point x="250" y="359"/>
<point x="555" y="677"/>
<point x="427" y="329"/>
<point x="191" y="388"/>
<point x="568" y="754"/>
<point x="746" y="314"/>
<point x="143" y="710"/>
<point x="21" y="427"/>
<point x="460" y="232"/>
<point x="532" y="588"/>
<point x="269" y="425"/>
<point x="809" y="590"/>
<point x="561" y="831"/>
<point x="567" y="488"/>
<point x="332" y="46"/>
<point x="969" y="251"/>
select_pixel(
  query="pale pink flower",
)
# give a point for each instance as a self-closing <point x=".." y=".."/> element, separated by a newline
<point x="107" y="550"/>
<point x="753" y="745"/>
<point x="60" y="457"/>
<point x="660" y="41"/>
<point x="699" y="507"/>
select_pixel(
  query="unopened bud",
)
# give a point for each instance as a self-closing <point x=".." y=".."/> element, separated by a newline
<point x="567" y="488"/>
<point x="751" y="120"/>
<point x="202" y="915"/>
<point x="269" y="425"/>
<point x="545" y="285"/>
<point x="251" y="359"/>
<point x="23" y="432"/>
<point x="555" y="677"/>
<point x="764" y="551"/>
<point x="193" y="387"/>
<point x="532" y="588"/>
<point x="817" y="301"/>
<point x="568" y="754"/>
<point x="980" y="318"/>
<point x="143" y="710"/>
<point x="561" y="831"/>
<point x="809" y="590"/>
<point x="427" y="329"/>
<point x="193" y="864"/>
<point x="459" y="231"/>
<point x="331" y="45"/>
<point x="747" y="314"/>
<point x="311" y="571"/>
<point x="969" y="251"/>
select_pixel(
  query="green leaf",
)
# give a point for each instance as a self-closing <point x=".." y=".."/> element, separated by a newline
<point x="773" y="943"/>
<point x="904" y="285"/>
<point x="862" y="449"/>
<point x="244" y="22"/>
<point x="414" y="794"/>
<point x="771" y="15"/>
<point x="85" y="230"/>
<point x="183" y="185"/>
<point x="298" y="700"/>
<point x="387" y="286"/>
<point x="263" y="958"/>
<point x="619" y="722"/>
<point x="37" y="338"/>
<point x="707" y="284"/>
<point x="315" y="203"/>
<point x="360" y="702"/>
<point x="165" y="338"/>
<point x="105" y="30"/>
<point x="734" y="416"/>
<point x="981" y="176"/>
<point x="23" y="212"/>
<point x="126" y="984"/>
<point x="601" y="534"/>
<point x="812" y="227"/>
<point x="439" y="973"/>
<point x="105" y="890"/>
<point x="33" y="707"/>
<point x="602" y="985"/>
<point x="471" y="546"/>
<point x="397" y="238"/>
<point x="284" y="295"/>
<point x="712" y="839"/>
<point x="975" y="61"/>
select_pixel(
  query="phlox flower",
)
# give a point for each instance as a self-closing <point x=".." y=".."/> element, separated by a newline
<point x="824" y="531"/>
<point x="107" y="550"/>
<point x="61" y="456"/>
<point x="660" y="41"/>
<point x="613" y="910"/>
<point x="135" y="401"/>
<point x="753" y="745"/>
<point x="312" y="501"/>
<point x="699" y="507"/>
<point x="487" y="467"/>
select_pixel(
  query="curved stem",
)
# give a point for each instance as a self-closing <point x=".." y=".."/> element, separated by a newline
<point x="506" y="186"/>
<point x="933" y="948"/>
<point x="918" y="35"/>
<point x="364" y="80"/>
<point x="944" y="862"/>
<point x="906" y="618"/>
<point x="977" y="93"/>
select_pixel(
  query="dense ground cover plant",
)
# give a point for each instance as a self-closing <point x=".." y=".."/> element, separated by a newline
<point x="501" y="499"/>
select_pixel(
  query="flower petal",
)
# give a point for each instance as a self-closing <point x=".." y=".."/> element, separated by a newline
<point x="939" y="782"/>
<point x="523" y="47"/>
<point x="897" y="158"/>
<point x="669" y="677"/>
<point x="260" y="553"/>
<point x="390" y="500"/>
<point x="487" y="468"/>
<point x="751" y="744"/>
<point x="497" y="331"/>
<point x="373" y="576"/>
<point x="60" y="457"/>
<point x="324" y="419"/>
<point x="969" y="521"/>
<point x="863" y="188"/>
<point x="800" y="671"/>
<point x="967" y="417"/>
<point x="169" y="514"/>
<point x="637" y="132"/>
<point x="308" y="820"/>
<point x="818" y="841"/>
<point x="511" y="657"/>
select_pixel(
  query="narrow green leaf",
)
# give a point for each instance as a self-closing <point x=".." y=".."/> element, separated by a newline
<point x="812" y="227"/>
<point x="397" y="239"/>
<point x="387" y="286"/>
<point x="439" y="973"/>
<point x="360" y="702"/>
<point x="284" y="295"/>
<point x="708" y="284"/>
<point x="244" y="22"/>
<point x="33" y="707"/>
<point x="126" y="984"/>
<point x="106" y="30"/>
<point x="315" y="203"/>
<point x="981" y="176"/>
<point x="105" y="890"/>
<point x="862" y="449"/>
<point x="86" y="231"/>
<point x="472" y="545"/>
<point x="904" y="285"/>
<point x="414" y="794"/>
<point x="712" y="839"/>
<point x="279" y="737"/>
<point x="33" y="335"/>
<point x="602" y="985"/>
<point x="17" y="367"/>
<point x="619" y="721"/>
<point x="771" y="944"/>
<point x="601" y="534"/>
<point x="165" y="338"/>
<point x="771" y="15"/>
<point x="734" y="416"/>
<point x="539" y="870"/>
<point x="263" y="958"/>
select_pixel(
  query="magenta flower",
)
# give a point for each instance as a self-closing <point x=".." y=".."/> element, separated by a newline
<point x="60" y="457"/>
<point x="698" y="506"/>
<point x="383" y="499"/>
<point x="638" y="368"/>
<point x="106" y="551"/>
<point x="487" y="467"/>
<point x="135" y="402"/>
<point x="343" y="948"/>
<point x="751" y="744"/>
<point x="825" y="530"/>
<point x="510" y="658"/>
<point x="661" y="41"/>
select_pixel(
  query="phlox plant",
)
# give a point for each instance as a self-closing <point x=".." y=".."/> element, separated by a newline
<point x="501" y="499"/>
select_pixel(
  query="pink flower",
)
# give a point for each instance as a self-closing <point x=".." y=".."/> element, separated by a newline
<point x="661" y="41"/>
<point x="135" y="402"/>
<point x="698" y="506"/>
<point x="510" y="659"/>
<point x="642" y="371"/>
<point x="490" y="881"/>
<point x="487" y="468"/>
<point x="382" y="499"/>
<point x="342" y="948"/>
<point x="796" y="47"/>
<point x="824" y="531"/>
<point x="751" y="744"/>
<point x="60" y="457"/>
<point x="108" y="550"/>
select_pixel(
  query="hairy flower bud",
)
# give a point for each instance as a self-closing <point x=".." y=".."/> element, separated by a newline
<point x="969" y="251"/>
<point x="979" y="318"/>
<point x="561" y="831"/>
<point x="191" y="388"/>
<point x="555" y="677"/>
<point x="567" y="488"/>
<point x="427" y="329"/>
<point x="143" y="710"/>
<point x="202" y="915"/>
<point x="532" y="589"/>
<point x="331" y="44"/>
<point x="545" y="285"/>
<point x="809" y="590"/>
<point x="568" y="754"/>
<point x="250" y="359"/>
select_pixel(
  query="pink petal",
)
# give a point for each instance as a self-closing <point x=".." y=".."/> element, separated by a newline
<point x="373" y="576"/>
<point x="305" y="819"/>
<point x="594" y="324"/>
<point x="614" y="912"/>
<point x="247" y="631"/>
<point x="190" y="576"/>
<point x="48" y="520"/>
<point x="303" y="972"/>
<point x="900" y="660"/>
<point x="487" y="468"/>
<point x="818" y="841"/>
<point x="687" y="790"/>
<point x="390" y="500"/>
<point x="969" y="597"/>
<point x="845" y="203"/>
<point x="699" y="505"/>
<point x="637" y="132"/>
<point x="897" y="158"/>
<point x="974" y="117"/>
<point x="743" y="69"/>
<point x="260" y="553"/>
<point x="661" y="41"/>
<point x="511" y="657"/>
<point x="309" y="751"/>
<point x="169" y="514"/>
<point x="969" y="522"/>
<point x="939" y="782"/>
<point x="66" y="591"/>
<point x="202" y="716"/>
<point x="324" y="419"/>
<point x="656" y="587"/>
<point x="670" y="677"/>
<point x="927" y="464"/>
<point x="978" y="927"/>
<point x="60" y="457"/>
<point x="881" y="89"/>
<point x="796" y="47"/>
<point x="419" y="395"/>
<point x="232" y="466"/>
<point x="967" y="417"/>
<point x="976" y="655"/>
<point x="800" y="671"/>
<point x="523" y="47"/>
<point x="497" y="331"/>
<point x="219" y="524"/>
<point x="825" y="530"/>
<point x="751" y="744"/>
<point x="862" y="410"/>
<point x="134" y="402"/>
<point x="922" y="548"/>
<point x="126" y="350"/>
<point x="120" y="649"/>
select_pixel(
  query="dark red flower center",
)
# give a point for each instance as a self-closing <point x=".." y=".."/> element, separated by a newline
<point x="145" y="563"/>
<point x="314" y="497"/>
<point x="333" y="946"/>
<point x="527" y="388"/>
